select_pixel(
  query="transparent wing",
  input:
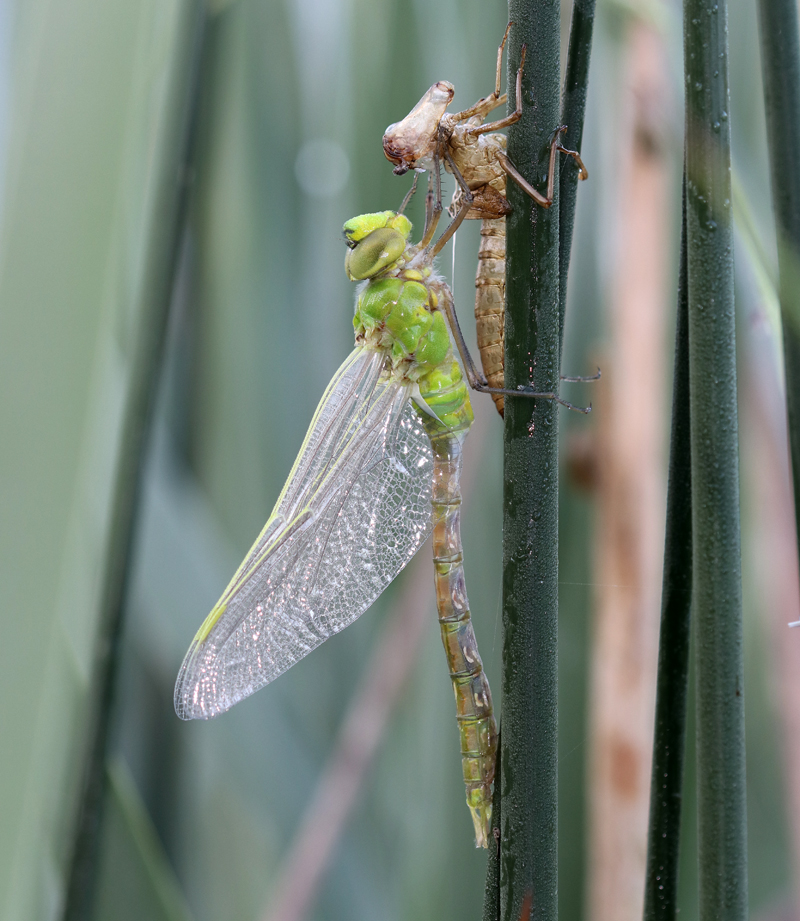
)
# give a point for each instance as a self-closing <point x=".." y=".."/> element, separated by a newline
<point x="355" y="509"/>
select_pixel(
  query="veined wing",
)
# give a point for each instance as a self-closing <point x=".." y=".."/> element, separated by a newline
<point x="354" y="511"/>
<point x="341" y="409"/>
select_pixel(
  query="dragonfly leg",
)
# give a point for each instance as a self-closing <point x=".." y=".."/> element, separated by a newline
<point x="499" y="70"/>
<point x="537" y="395"/>
<point x="481" y="108"/>
<point x="433" y="208"/>
<point x="433" y="213"/>
<point x="437" y="174"/>
<point x="428" y="205"/>
<point x="583" y="173"/>
<point x="516" y="115"/>
<point x="462" y="213"/>
<point x="476" y="380"/>
<point x="582" y="380"/>
<point x="409" y="194"/>
<point x="494" y="100"/>
<point x="544" y="201"/>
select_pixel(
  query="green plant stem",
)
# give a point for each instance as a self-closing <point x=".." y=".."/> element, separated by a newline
<point x="780" y="61"/>
<point x="158" y="277"/>
<point x="717" y="593"/>
<point x="491" y="900"/>
<point x="529" y="779"/>
<point x="573" y="108"/>
<point x="666" y="783"/>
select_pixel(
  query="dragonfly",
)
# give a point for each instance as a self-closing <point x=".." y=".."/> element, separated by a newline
<point x="473" y="151"/>
<point x="378" y="471"/>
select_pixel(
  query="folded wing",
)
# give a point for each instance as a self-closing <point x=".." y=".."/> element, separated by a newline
<point x="355" y="509"/>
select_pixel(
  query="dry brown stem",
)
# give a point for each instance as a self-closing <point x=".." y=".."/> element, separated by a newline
<point x="631" y="499"/>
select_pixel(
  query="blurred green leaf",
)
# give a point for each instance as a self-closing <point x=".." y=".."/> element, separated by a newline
<point x="136" y="880"/>
<point x="95" y="118"/>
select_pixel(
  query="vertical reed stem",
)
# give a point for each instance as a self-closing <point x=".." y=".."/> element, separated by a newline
<point x="573" y="108"/>
<point x="529" y="815"/>
<point x="666" y="784"/>
<point x="717" y="595"/>
<point x="491" y="898"/>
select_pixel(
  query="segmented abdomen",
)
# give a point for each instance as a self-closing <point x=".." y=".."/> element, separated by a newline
<point x="490" y="301"/>
<point x="476" y="723"/>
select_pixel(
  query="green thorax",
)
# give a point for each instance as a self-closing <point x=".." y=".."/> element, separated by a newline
<point x="398" y="312"/>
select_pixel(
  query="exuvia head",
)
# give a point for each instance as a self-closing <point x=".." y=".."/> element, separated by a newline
<point x="411" y="143"/>
<point x="374" y="243"/>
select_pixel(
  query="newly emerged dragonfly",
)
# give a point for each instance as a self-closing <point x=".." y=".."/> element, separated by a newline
<point x="476" y="155"/>
<point x="378" y="470"/>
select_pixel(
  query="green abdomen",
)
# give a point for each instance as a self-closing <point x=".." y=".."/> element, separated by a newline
<point x="445" y="391"/>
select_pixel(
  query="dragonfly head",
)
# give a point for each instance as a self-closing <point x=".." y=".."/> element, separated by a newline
<point x="412" y="142"/>
<point x="374" y="243"/>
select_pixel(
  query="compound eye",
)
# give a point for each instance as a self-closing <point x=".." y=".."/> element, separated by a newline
<point x="376" y="252"/>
